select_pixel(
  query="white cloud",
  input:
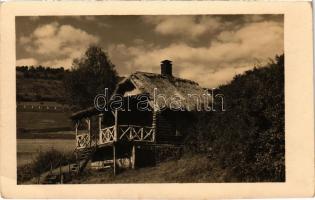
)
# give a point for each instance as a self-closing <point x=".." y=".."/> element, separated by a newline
<point x="45" y="31"/>
<point x="59" y="44"/>
<point x="24" y="40"/>
<point x="228" y="54"/>
<point x="26" y="62"/>
<point x="58" y="62"/>
<point x="234" y="47"/>
<point x="184" y="25"/>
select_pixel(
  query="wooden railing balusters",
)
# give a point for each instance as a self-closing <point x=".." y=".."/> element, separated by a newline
<point x="118" y="132"/>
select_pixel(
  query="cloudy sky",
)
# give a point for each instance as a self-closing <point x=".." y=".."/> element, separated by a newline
<point x="209" y="49"/>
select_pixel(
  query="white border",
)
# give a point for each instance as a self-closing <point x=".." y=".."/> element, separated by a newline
<point x="298" y="101"/>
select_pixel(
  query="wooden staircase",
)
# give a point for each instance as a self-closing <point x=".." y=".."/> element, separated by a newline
<point x="82" y="158"/>
<point x="62" y="174"/>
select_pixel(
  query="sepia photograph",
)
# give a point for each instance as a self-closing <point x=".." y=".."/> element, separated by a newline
<point x="150" y="99"/>
<point x="156" y="100"/>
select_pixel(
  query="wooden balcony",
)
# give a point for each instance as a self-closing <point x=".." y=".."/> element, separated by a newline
<point x="82" y="140"/>
<point x="108" y="135"/>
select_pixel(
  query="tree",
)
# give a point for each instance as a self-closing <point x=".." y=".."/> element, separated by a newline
<point x="89" y="76"/>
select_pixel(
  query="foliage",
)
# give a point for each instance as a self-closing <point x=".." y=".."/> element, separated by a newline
<point x="43" y="163"/>
<point x="37" y="89"/>
<point x="248" y="138"/>
<point x="40" y="72"/>
<point x="38" y="83"/>
<point x="24" y="173"/>
<point x="89" y="76"/>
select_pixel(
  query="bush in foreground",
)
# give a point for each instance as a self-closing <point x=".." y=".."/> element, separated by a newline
<point x="247" y="140"/>
<point x="43" y="162"/>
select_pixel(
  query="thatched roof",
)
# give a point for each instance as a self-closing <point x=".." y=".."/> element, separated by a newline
<point x="168" y="86"/>
<point x="172" y="88"/>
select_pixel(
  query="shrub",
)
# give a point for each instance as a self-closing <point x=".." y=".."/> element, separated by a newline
<point x="43" y="162"/>
<point x="248" y="138"/>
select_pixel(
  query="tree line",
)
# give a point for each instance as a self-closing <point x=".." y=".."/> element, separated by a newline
<point x="42" y="72"/>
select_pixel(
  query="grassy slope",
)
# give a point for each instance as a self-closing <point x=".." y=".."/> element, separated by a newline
<point x="197" y="168"/>
<point x="39" y="89"/>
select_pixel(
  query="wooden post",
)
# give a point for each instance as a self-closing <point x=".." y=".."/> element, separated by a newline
<point x="76" y="132"/>
<point x="76" y="128"/>
<point x="133" y="156"/>
<point x="60" y="172"/>
<point x="116" y="124"/>
<point x="114" y="159"/>
<point x="89" y="130"/>
<point x="51" y="167"/>
<point x="100" y="117"/>
<point x="61" y="179"/>
<point x="141" y="133"/>
<point x="154" y="125"/>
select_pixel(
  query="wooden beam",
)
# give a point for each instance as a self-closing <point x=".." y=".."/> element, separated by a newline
<point x="116" y="125"/>
<point x="133" y="157"/>
<point x="114" y="159"/>
<point x="88" y="121"/>
<point x="76" y="128"/>
<point x="100" y="117"/>
<point x="154" y="124"/>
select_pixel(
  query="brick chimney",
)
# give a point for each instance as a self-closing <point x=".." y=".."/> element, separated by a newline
<point x="166" y="68"/>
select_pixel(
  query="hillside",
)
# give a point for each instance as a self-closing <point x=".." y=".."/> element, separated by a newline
<point x="34" y="89"/>
<point x="188" y="169"/>
<point x="41" y="97"/>
<point x="40" y="84"/>
<point x="248" y="138"/>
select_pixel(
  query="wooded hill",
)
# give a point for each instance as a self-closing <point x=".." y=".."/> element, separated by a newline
<point x="40" y="84"/>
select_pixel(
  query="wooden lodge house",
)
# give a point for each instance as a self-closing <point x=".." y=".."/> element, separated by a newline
<point x="130" y="137"/>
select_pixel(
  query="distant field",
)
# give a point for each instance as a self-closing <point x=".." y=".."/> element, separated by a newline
<point x="41" y="106"/>
<point x="43" y="120"/>
<point x="27" y="149"/>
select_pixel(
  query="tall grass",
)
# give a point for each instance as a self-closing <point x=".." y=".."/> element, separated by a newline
<point x="43" y="162"/>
